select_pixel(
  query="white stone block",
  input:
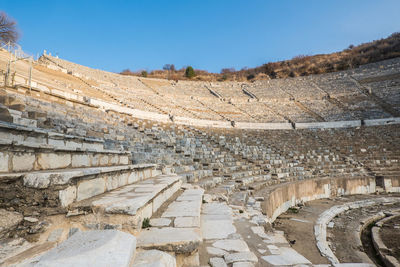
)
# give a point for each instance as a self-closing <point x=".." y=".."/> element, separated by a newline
<point x="4" y="162"/>
<point x="113" y="159"/>
<point x="236" y="245"/>
<point x="53" y="161"/>
<point x="80" y="160"/>
<point x="133" y="177"/>
<point x="159" y="200"/>
<point x="23" y="162"/>
<point x="154" y="258"/>
<point x="186" y="222"/>
<point x="241" y="256"/>
<point x="103" y="160"/>
<point x="217" y="262"/>
<point x="67" y="196"/>
<point x="146" y="211"/>
<point x="122" y="179"/>
<point x="92" y="248"/>
<point x="123" y="160"/>
<point x="111" y="182"/>
<point x="90" y="188"/>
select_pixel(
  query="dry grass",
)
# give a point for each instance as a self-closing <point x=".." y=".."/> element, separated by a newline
<point x="301" y="65"/>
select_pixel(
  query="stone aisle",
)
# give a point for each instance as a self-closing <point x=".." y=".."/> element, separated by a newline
<point x="222" y="244"/>
<point x="235" y="236"/>
<point x="271" y="247"/>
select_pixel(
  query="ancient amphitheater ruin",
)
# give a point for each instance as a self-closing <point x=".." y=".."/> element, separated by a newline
<point x="100" y="169"/>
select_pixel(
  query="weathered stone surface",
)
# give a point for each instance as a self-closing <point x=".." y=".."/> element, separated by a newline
<point x="123" y="160"/>
<point x="92" y="248"/>
<point x="4" y="162"/>
<point x="179" y="240"/>
<point x="353" y="265"/>
<point x="243" y="264"/>
<point x="80" y="161"/>
<point x="216" y="221"/>
<point x="157" y="222"/>
<point x="191" y="195"/>
<point x="213" y="227"/>
<point x="241" y="256"/>
<point x="45" y="179"/>
<point x="287" y="256"/>
<point x="89" y="188"/>
<point x="53" y="161"/>
<point x="217" y="262"/>
<point x="126" y="200"/>
<point x="67" y="196"/>
<point x="153" y="258"/>
<point x="23" y="162"/>
<point x="186" y="222"/>
<point x="216" y="251"/>
<point x="216" y="208"/>
<point x="236" y="245"/>
<point x="31" y="219"/>
<point x="183" y="209"/>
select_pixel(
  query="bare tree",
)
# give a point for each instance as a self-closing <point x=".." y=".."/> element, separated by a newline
<point x="8" y="29"/>
<point x="169" y="67"/>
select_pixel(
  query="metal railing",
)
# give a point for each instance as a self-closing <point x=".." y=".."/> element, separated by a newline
<point x="16" y="54"/>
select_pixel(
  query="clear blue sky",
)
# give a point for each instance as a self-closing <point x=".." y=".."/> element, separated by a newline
<point x="207" y="34"/>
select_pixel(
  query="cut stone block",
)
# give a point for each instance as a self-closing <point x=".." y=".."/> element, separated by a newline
<point x="43" y="179"/>
<point x="178" y="240"/>
<point x="53" y="161"/>
<point x="241" y="256"/>
<point x="89" y="188"/>
<point x="183" y="209"/>
<point x="216" y="251"/>
<point x="216" y="221"/>
<point x="80" y="161"/>
<point x="23" y="162"/>
<point x="92" y="248"/>
<point x="154" y="258"/>
<point x="191" y="195"/>
<point x="243" y="264"/>
<point x="131" y="198"/>
<point x="3" y="162"/>
<point x="159" y="222"/>
<point x="67" y="196"/>
<point x="187" y="222"/>
<point x="236" y="245"/>
<point x="217" y="262"/>
<point x="288" y="256"/>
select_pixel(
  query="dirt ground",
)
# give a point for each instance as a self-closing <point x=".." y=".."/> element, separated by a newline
<point x="298" y="225"/>
<point x="390" y="234"/>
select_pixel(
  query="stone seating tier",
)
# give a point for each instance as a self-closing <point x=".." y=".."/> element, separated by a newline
<point x="185" y="96"/>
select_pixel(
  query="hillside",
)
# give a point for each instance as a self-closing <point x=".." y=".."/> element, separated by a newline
<point x="301" y="65"/>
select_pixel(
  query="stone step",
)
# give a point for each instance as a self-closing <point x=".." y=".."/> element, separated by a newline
<point x="133" y="202"/>
<point x="90" y="248"/>
<point x="194" y="176"/>
<point x="153" y="257"/>
<point x="27" y="157"/>
<point x="57" y="189"/>
<point x="34" y="137"/>
<point x="211" y="182"/>
<point x="184" y="237"/>
<point x="251" y="179"/>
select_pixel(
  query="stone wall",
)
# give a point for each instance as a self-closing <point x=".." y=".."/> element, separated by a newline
<point x="280" y="198"/>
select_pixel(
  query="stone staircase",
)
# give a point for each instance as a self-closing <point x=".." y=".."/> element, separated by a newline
<point x="99" y="169"/>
